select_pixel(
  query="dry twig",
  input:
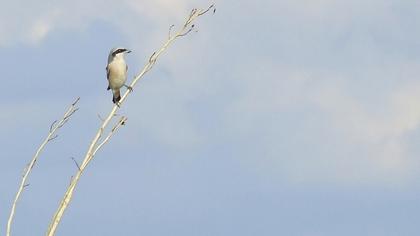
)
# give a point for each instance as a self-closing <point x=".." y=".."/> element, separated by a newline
<point x="55" y="126"/>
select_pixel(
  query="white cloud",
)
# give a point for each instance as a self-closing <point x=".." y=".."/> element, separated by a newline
<point x="27" y="22"/>
<point x="332" y="134"/>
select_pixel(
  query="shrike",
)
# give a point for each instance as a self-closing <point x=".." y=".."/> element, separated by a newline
<point x="116" y="72"/>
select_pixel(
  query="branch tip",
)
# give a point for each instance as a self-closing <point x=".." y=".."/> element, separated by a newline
<point x="170" y="29"/>
<point x="52" y="138"/>
<point x="75" y="162"/>
<point x="52" y="126"/>
<point x="99" y="116"/>
<point x="76" y="101"/>
<point x="152" y="60"/>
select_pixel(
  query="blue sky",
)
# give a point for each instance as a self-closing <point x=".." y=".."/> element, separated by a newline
<point x="275" y="118"/>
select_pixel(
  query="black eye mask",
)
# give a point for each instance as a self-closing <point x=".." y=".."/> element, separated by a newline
<point x="118" y="51"/>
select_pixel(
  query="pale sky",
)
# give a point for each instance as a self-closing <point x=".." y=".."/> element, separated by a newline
<point x="290" y="117"/>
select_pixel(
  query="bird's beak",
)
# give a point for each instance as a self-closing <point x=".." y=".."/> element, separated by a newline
<point x="128" y="51"/>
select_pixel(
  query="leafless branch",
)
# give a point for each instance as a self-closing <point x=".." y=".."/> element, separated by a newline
<point x="64" y="121"/>
<point x="170" y="29"/>
<point x="120" y="123"/>
<point x="94" y="146"/>
<point x="100" y="117"/>
<point x="152" y="60"/>
<point x="54" y="137"/>
<point x="208" y="9"/>
<point x="75" y="162"/>
<point x="75" y="102"/>
<point x="55" y="126"/>
<point x="186" y="32"/>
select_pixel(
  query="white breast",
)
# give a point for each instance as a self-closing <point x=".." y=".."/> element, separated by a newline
<point x="117" y="70"/>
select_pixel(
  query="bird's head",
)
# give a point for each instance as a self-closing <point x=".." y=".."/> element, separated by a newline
<point x="117" y="52"/>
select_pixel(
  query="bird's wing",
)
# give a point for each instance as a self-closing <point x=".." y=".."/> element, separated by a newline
<point x="107" y="76"/>
<point x="107" y="72"/>
<point x="126" y="67"/>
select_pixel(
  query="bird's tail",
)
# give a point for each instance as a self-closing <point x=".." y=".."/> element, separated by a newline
<point x="116" y="96"/>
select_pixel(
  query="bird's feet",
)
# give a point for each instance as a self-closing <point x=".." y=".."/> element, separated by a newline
<point x="116" y="101"/>
<point x="129" y="88"/>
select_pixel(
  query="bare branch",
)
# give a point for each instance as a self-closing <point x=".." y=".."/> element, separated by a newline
<point x="187" y="32"/>
<point x="100" y="117"/>
<point x="25" y="169"/>
<point x="94" y="146"/>
<point x="52" y="138"/>
<point x="152" y="61"/>
<point x="52" y="125"/>
<point x="75" y="162"/>
<point x="170" y="29"/>
<point x="75" y="102"/>
<point x="55" y="126"/>
<point x="208" y="9"/>
<point x="120" y="123"/>
<point x="64" y="121"/>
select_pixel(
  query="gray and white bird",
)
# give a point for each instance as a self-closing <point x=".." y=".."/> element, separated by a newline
<point x="116" y="72"/>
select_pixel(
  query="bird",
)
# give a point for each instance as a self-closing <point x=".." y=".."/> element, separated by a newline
<point x="116" y="72"/>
